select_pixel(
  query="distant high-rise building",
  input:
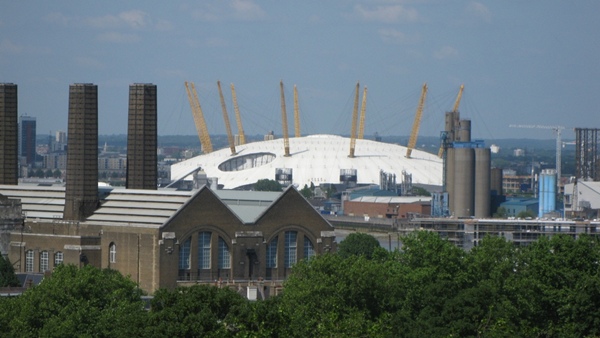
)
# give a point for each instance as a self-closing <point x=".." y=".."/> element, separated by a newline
<point x="27" y="141"/>
<point x="81" y="196"/>
<point x="8" y="134"/>
<point x="142" y="137"/>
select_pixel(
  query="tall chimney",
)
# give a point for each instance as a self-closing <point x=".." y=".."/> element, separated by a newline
<point x="8" y="134"/>
<point x="142" y="137"/>
<point x="81" y="197"/>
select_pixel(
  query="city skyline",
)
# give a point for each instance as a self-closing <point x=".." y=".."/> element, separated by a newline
<point x="521" y="63"/>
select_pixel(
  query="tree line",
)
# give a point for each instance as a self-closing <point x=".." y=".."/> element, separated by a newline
<point x="429" y="288"/>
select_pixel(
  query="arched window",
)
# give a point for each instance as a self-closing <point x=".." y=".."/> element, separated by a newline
<point x="272" y="254"/>
<point x="224" y="257"/>
<point x="43" y="261"/>
<point x="204" y="250"/>
<point x="290" y="248"/>
<point x="58" y="258"/>
<point x="29" y="261"/>
<point x="184" y="255"/>
<point x="112" y="253"/>
<point x="309" y="249"/>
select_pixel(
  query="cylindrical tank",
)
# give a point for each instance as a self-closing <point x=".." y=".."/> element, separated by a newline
<point x="547" y="192"/>
<point x="496" y="181"/>
<point x="464" y="131"/>
<point x="482" y="182"/>
<point x="464" y="165"/>
<point x="449" y="171"/>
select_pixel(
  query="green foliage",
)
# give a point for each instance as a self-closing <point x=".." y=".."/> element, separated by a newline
<point x="430" y="288"/>
<point x="419" y="191"/>
<point x="307" y="192"/>
<point x="79" y="302"/>
<point x="525" y="214"/>
<point x="267" y="185"/>
<point x="196" y="311"/>
<point x="501" y="213"/>
<point x="7" y="273"/>
<point x="358" y="244"/>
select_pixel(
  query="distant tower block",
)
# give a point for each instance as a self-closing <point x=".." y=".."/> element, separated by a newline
<point x="27" y="139"/>
<point x="142" y="137"/>
<point x="587" y="151"/>
<point x="81" y="196"/>
<point x="8" y="134"/>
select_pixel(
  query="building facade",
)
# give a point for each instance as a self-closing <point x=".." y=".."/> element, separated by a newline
<point x="27" y="139"/>
<point x="9" y="171"/>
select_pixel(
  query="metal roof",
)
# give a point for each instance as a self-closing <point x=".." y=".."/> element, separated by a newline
<point x="392" y="199"/>
<point x="151" y="208"/>
<point x="314" y="159"/>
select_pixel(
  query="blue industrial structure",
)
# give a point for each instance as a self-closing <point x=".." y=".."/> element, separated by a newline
<point x="547" y="192"/>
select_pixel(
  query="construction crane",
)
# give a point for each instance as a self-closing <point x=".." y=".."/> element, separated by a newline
<point x="226" y="119"/>
<point x="198" y="118"/>
<point x="354" y="118"/>
<point x="363" y="111"/>
<point x="238" y="117"/>
<point x="454" y="109"/>
<point x="412" y="142"/>
<point x="296" y="113"/>
<point x="286" y="138"/>
<point x="557" y="130"/>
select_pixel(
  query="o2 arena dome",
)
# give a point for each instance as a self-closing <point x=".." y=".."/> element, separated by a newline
<point x="313" y="159"/>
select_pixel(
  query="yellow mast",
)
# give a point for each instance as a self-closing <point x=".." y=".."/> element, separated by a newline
<point x="226" y="118"/>
<point x="454" y="110"/>
<point x="286" y="139"/>
<point x="238" y="117"/>
<point x="354" y="118"/>
<point x="363" y="109"/>
<point x="198" y="118"/>
<point x="412" y="142"/>
<point x="296" y="113"/>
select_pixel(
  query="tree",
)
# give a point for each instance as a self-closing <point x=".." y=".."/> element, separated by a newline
<point x="7" y="273"/>
<point x="195" y="311"/>
<point x="80" y="302"/>
<point x="501" y="213"/>
<point x="306" y="192"/>
<point x="525" y="214"/>
<point x="267" y="185"/>
<point x="358" y="244"/>
<point x="57" y="173"/>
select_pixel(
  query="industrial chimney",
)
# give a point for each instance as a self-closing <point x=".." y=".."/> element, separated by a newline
<point x="81" y="196"/>
<point x="142" y="137"/>
<point x="8" y="134"/>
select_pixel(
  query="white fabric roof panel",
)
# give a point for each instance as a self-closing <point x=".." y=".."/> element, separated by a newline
<point x="317" y="159"/>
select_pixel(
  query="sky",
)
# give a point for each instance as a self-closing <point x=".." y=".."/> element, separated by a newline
<point x="532" y="63"/>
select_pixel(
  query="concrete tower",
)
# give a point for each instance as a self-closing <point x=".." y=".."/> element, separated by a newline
<point x="142" y="137"/>
<point x="8" y="134"/>
<point x="81" y="197"/>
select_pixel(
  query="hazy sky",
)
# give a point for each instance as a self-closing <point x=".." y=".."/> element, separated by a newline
<point x="522" y="62"/>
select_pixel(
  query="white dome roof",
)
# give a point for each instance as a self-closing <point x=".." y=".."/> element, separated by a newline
<point x="316" y="158"/>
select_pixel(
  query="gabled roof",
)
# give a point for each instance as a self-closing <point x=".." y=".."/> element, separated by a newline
<point x="137" y="207"/>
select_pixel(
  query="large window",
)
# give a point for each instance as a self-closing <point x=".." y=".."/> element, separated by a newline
<point x="43" y="261"/>
<point x="29" y="261"/>
<point x="58" y="258"/>
<point x="224" y="258"/>
<point x="112" y="253"/>
<point x="272" y="254"/>
<point x="309" y="249"/>
<point x="204" y="250"/>
<point x="184" y="255"/>
<point x="290" y="248"/>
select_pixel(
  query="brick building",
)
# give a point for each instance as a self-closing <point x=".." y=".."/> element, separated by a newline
<point x="388" y="207"/>
<point x="166" y="238"/>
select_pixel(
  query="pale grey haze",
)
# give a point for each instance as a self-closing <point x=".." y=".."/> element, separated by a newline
<point x="522" y="62"/>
